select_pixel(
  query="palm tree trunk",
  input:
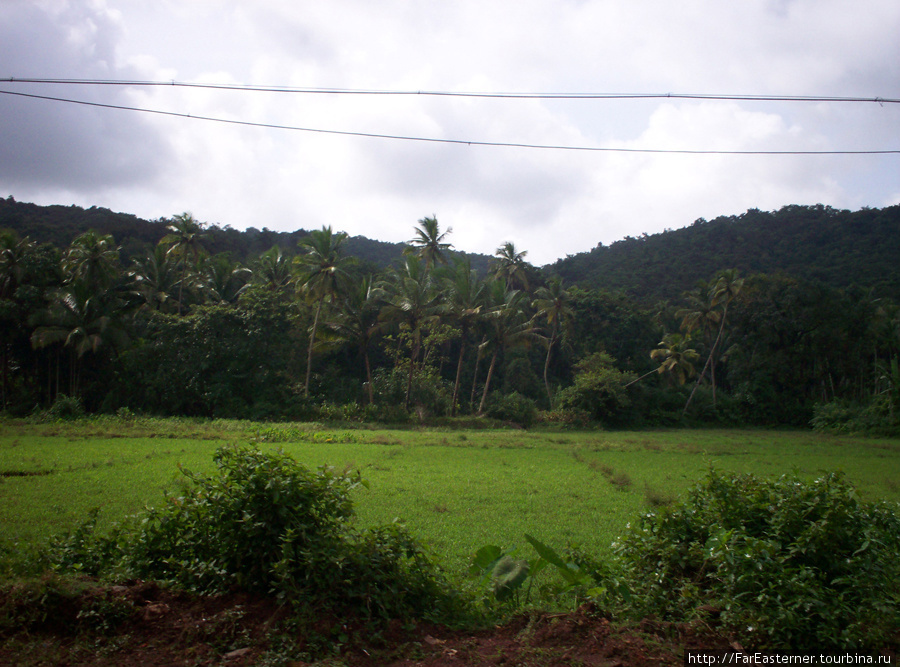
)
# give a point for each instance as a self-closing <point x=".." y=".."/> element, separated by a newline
<point x="546" y="368"/>
<point x="487" y="382"/>
<point x="181" y="282"/>
<point x="368" y="377"/>
<point x="708" y="361"/>
<point x="312" y="340"/>
<point x="462" y="350"/>
<point x="412" y="363"/>
<point x="475" y="377"/>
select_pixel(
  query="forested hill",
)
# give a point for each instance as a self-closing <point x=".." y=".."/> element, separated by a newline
<point x="817" y="243"/>
<point x="59" y="225"/>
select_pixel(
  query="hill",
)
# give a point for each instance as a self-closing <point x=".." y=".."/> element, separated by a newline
<point x="59" y="225"/>
<point x="839" y="248"/>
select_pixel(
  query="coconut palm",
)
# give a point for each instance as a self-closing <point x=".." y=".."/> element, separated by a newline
<point x="274" y="270"/>
<point x="92" y="259"/>
<point x="155" y="278"/>
<point x="13" y="253"/>
<point x="676" y="357"/>
<point x="84" y="321"/>
<point x="185" y="240"/>
<point x="223" y="281"/>
<point x="411" y="302"/>
<point x="321" y="278"/>
<point x="508" y="326"/>
<point x="726" y="288"/>
<point x="429" y="243"/>
<point x="553" y="302"/>
<point x="463" y="305"/>
<point x="702" y="314"/>
<point x="510" y="266"/>
<point x="356" y="321"/>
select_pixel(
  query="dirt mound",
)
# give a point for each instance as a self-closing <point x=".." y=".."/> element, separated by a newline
<point x="144" y="624"/>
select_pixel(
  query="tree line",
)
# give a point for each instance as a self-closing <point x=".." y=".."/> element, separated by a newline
<point x="311" y="331"/>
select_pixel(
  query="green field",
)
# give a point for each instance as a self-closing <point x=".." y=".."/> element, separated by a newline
<point x="455" y="490"/>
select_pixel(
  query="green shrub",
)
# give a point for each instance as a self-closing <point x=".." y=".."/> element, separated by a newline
<point x="512" y="408"/>
<point x="66" y="407"/>
<point x="787" y="564"/>
<point x="875" y="418"/>
<point x="267" y="524"/>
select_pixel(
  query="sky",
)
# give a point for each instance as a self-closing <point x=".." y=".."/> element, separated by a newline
<point x="549" y="202"/>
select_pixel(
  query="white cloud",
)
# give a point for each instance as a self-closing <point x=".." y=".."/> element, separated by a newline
<point x="549" y="202"/>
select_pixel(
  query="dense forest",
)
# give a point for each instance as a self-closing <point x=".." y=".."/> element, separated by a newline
<point x="768" y="318"/>
<point x="817" y="243"/>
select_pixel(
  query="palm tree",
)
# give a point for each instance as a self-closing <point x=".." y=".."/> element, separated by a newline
<point x="508" y="326"/>
<point x="223" y="280"/>
<point x="510" y="266"/>
<point x="412" y="303"/>
<point x="429" y="243"/>
<point x="724" y="291"/>
<point x="554" y="303"/>
<point x="154" y="278"/>
<point x="92" y="259"/>
<point x="13" y="252"/>
<point x="464" y="301"/>
<point x="274" y="270"/>
<point x="702" y="314"/>
<point x="82" y="320"/>
<point x="185" y="239"/>
<point x="322" y="277"/>
<point x="676" y="357"/>
<point x="357" y="322"/>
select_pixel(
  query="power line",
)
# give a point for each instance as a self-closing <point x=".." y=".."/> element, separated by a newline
<point x="441" y="93"/>
<point x="437" y="140"/>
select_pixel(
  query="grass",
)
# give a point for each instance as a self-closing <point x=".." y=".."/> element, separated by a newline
<point x="456" y="491"/>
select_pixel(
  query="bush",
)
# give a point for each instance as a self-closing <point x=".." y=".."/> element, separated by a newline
<point x="66" y="407"/>
<point x="512" y="408"/>
<point x="790" y="565"/>
<point x="876" y="418"/>
<point x="266" y="524"/>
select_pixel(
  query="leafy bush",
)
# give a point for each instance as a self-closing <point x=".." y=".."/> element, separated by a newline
<point x="598" y="389"/>
<point x="876" y="418"/>
<point x="512" y="408"/>
<point x="789" y="564"/>
<point x="66" y="407"/>
<point x="266" y="524"/>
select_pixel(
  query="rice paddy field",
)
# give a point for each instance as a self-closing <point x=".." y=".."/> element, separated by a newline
<point x="456" y="490"/>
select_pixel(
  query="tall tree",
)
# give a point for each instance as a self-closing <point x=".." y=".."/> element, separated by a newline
<point x="429" y="242"/>
<point x="676" y="357"/>
<point x="357" y="322"/>
<point x="412" y="303"/>
<point x="155" y="278"/>
<point x="704" y="314"/>
<point x="463" y="304"/>
<point x="726" y="288"/>
<point x="322" y="277"/>
<point x="93" y="260"/>
<point x="273" y="270"/>
<point x="508" y="326"/>
<point x="510" y="266"/>
<point x="223" y="280"/>
<point x="83" y="321"/>
<point x="185" y="240"/>
<point x="553" y="303"/>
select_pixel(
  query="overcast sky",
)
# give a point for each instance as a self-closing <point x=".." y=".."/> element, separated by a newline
<point x="548" y="202"/>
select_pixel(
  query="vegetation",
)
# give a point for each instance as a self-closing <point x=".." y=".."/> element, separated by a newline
<point x="772" y="562"/>
<point x="184" y="329"/>
<point x="788" y="564"/>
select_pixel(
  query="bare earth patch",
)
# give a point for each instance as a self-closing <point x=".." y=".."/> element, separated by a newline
<point x="143" y="624"/>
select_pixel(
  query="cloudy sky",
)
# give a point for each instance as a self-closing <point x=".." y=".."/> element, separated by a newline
<point x="550" y="202"/>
